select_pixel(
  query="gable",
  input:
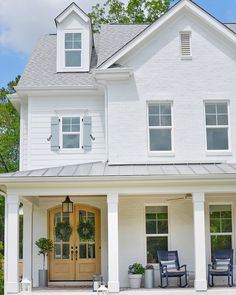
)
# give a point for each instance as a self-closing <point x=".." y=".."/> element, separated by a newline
<point x="182" y="7"/>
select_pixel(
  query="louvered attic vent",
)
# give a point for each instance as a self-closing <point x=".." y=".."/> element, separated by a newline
<point x="185" y="39"/>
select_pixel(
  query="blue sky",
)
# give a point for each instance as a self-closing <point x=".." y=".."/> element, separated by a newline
<point x="18" y="35"/>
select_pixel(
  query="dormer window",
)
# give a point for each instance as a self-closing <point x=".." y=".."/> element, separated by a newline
<point x="73" y="48"/>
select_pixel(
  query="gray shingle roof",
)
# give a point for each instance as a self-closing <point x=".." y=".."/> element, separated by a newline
<point x="103" y="169"/>
<point x="41" y="68"/>
<point x="114" y="37"/>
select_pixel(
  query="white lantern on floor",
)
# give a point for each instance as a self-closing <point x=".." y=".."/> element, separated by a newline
<point x="26" y="285"/>
<point x="102" y="290"/>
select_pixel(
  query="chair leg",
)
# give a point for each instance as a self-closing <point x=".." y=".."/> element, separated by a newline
<point x="180" y="283"/>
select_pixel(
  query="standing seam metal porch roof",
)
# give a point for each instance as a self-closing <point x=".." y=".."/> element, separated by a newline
<point x="102" y="169"/>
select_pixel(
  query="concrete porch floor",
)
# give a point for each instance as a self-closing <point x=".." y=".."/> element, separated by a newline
<point x="155" y="291"/>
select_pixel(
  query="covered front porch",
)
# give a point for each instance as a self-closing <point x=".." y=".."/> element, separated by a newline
<point x="129" y="228"/>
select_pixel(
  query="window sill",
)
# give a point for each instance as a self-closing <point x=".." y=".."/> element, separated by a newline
<point x="186" y="57"/>
<point x="218" y="153"/>
<point x="161" y="154"/>
<point x="71" y="151"/>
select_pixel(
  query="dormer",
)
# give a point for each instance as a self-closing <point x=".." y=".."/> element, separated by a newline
<point x="74" y="40"/>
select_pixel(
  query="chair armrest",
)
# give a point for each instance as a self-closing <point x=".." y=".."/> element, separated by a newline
<point x="210" y="266"/>
<point x="183" y="266"/>
<point x="163" y="268"/>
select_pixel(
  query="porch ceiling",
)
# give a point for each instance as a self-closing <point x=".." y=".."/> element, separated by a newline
<point x="104" y="169"/>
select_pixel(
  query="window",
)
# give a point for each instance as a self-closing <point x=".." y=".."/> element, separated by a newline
<point x="156" y="231"/>
<point x="160" y="126"/>
<point x="73" y="49"/>
<point x="221" y="226"/>
<point x="71" y="134"/>
<point x="185" y="41"/>
<point x="217" y="126"/>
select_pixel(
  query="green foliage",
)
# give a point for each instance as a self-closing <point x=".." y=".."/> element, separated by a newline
<point x="45" y="247"/>
<point x="63" y="231"/>
<point x="135" y="11"/>
<point x="9" y="130"/>
<point x="1" y="270"/>
<point x="136" y="269"/>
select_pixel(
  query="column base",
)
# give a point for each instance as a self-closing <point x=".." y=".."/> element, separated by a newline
<point x="12" y="287"/>
<point x="200" y="285"/>
<point x="114" y="287"/>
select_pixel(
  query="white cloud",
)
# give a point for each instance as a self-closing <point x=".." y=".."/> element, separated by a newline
<point x="22" y="22"/>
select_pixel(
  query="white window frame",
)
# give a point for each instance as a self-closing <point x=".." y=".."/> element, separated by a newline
<point x="232" y="220"/>
<point x="155" y="235"/>
<point x="218" y="152"/>
<point x="185" y="57"/>
<point x="166" y="152"/>
<point x="64" y="50"/>
<point x="80" y="133"/>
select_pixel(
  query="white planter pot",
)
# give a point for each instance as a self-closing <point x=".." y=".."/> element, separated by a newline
<point x="135" y="281"/>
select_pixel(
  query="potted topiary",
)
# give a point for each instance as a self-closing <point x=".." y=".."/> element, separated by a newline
<point x="135" y="274"/>
<point x="148" y="276"/>
<point x="45" y="247"/>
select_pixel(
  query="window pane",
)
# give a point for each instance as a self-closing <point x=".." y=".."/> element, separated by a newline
<point x="68" y="37"/>
<point x="165" y="120"/>
<point x="221" y="242"/>
<point x="75" y="120"/>
<point x="215" y="225"/>
<point x="75" y="128"/>
<point x="57" y="251"/>
<point x="166" y="109"/>
<point x="210" y="119"/>
<point x="151" y="227"/>
<point x="154" y="120"/>
<point x="71" y="141"/>
<point x="162" y="227"/>
<point x="66" y="121"/>
<point x="222" y="108"/>
<point x="82" y="251"/>
<point x="65" y="251"/>
<point x="66" y="128"/>
<point x="154" y="244"/>
<point x="217" y="139"/>
<point x="77" y="45"/>
<point x="160" y="139"/>
<point x="73" y="58"/>
<point x="68" y="45"/>
<point x="210" y="108"/>
<point x="91" y="250"/>
<point x="153" y="109"/>
<point x="222" y="119"/>
<point x="226" y="225"/>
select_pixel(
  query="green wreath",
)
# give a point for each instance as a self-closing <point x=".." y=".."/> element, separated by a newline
<point x="63" y="231"/>
<point x="86" y="230"/>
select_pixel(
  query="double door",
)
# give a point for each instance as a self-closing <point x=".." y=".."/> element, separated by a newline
<point x="76" y="256"/>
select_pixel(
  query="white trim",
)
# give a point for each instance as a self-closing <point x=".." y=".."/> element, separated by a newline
<point x="164" y="153"/>
<point x="217" y="152"/>
<point x="232" y="222"/>
<point x="183" y="4"/>
<point x="80" y="149"/>
<point x="161" y="204"/>
<point x="72" y="8"/>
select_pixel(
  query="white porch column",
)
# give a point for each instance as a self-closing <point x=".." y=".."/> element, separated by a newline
<point x="27" y="242"/>
<point x="12" y="244"/>
<point x="200" y="282"/>
<point x="113" y="252"/>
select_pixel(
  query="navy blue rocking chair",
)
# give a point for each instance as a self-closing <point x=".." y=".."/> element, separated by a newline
<point x="221" y="266"/>
<point x="170" y="268"/>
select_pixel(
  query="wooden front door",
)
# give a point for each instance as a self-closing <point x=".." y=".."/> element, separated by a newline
<point x="76" y="257"/>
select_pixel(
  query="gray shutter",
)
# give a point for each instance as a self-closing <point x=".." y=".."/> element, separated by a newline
<point x="87" y="131"/>
<point x="55" y="121"/>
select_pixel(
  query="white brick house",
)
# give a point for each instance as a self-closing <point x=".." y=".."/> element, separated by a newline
<point x="130" y="122"/>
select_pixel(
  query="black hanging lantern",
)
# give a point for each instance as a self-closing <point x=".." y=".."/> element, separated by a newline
<point x="67" y="205"/>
